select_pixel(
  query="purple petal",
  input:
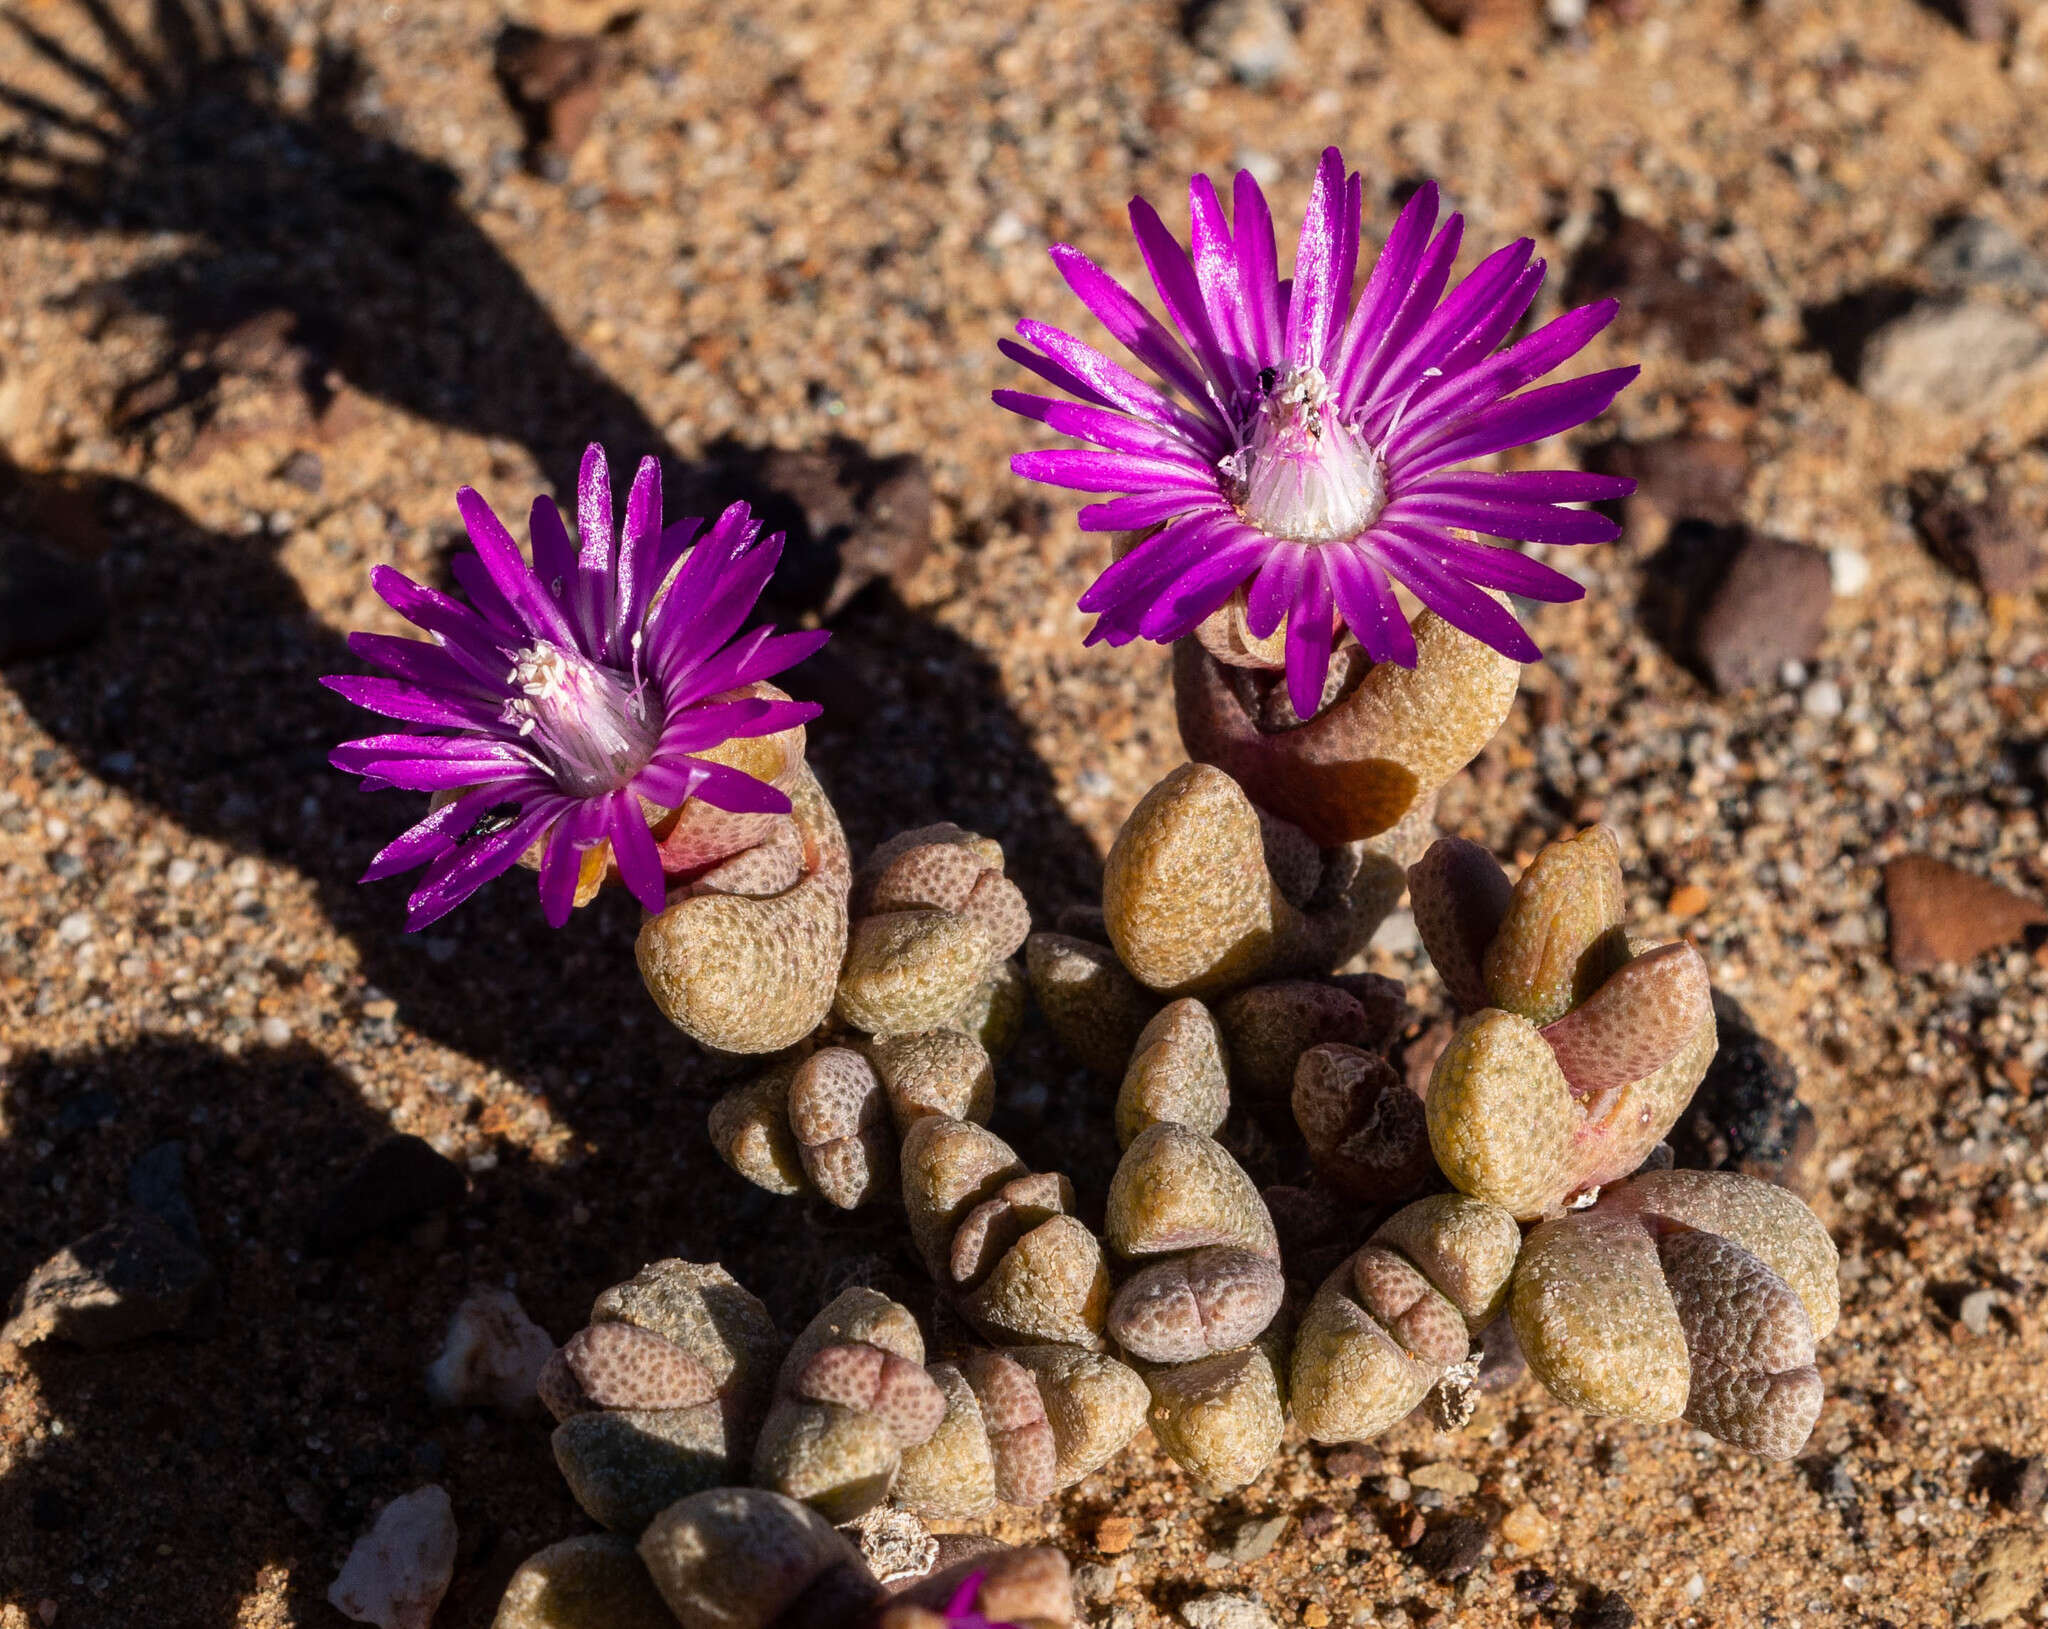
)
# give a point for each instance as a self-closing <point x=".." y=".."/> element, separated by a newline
<point x="1529" y="417"/>
<point x="1173" y="275"/>
<point x="1275" y="590"/>
<point x="591" y="597"/>
<point x="537" y="611"/>
<point x="396" y="698"/>
<point x="1082" y="469"/>
<point x="1392" y="275"/>
<point x="748" y="661"/>
<point x="669" y="549"/>
<point x="1104" y="426"/>
<point x="1523" y="522"/>
<point x="1325" y="258"/>
<point x="475" y="581"/>
<point x="1417" y="301"/>
<point x="638" y="548"/>
<point x="1143" y="509"/>
<point x="672" y="635"/>
<point x="1216" y="271"/>
<point x="670" y="782"/>
<point x="561" y="865"/>
<point x="1310" y="630"/>
<point x="1498" y="322"/>
<point x="420" y="843"/>
<point x="1140" y="333"/>
<point x="740" y="793"/>
<point x="554" y="554"/>
<point x="1506" y="569"/>
<point x="1457" y="601"/>
<point x="464" y="635"/>
<point x="633" y="847"/>
<point x="424" y="663"/>
<point x="1052" y="373"/>
<point x="1365" y="599"/>
<point x="1258" y="269"/>
<point x="699" y="638"/>
<point x="1441" y="403"/>
<point x="1164" y="554"/>
<point x="1204" y="589"/>
<point x="1117" y="385"/>
<point x="457" y="873"/>
<point x="1521" y="486"/>
<point x="1470" y="304"/>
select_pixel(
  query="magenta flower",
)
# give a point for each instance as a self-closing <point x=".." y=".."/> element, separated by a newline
<point x="1308" y="446"/>
<point x="964" y="1611"/>
<point x="570" y="696"/>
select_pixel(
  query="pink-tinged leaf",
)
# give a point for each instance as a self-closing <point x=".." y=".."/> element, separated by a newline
<point x="1634" y="1023"/>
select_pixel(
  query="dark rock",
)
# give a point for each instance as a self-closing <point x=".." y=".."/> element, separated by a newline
<point x="1604" y="1609"/>
<point x="156" y="1183"/>
<point x="399" y="1181"/>
<point x="555" y="84"/>
<point x="1770" y="608"/>
<point x="1990" y="21"/>
<point x="132" y="1278"/>
<point x="1453" y="1547"/>
<point x="1971" y="252"/>
<point x="851" y="519"/>
<point x="1746" y="1115"/>
<point x="1534" y="1585"/>
<point x="1667" y="290"/>
<point x="1350" y="1464"/>
<point x="2018" y="1482"/>
<point x="304" y="470"/>
<point x="1682" y="477"/>
<point x="1942" y="915"/>
<point x="1481" y="19"/>
<point x="49" y="601"/>
<point x="1318" y="1521"/>
<point x="1967" y="521"/>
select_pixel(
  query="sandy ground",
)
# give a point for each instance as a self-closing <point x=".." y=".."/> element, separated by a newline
<point x="802" y="219"/>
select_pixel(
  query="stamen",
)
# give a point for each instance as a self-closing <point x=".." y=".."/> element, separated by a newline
<point x="1303" y="473"/>
<point x="588" y="724"/>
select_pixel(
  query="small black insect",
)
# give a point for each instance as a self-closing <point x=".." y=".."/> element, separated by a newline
<point x="1268" y="378"/>
<point x="488" y="824"/>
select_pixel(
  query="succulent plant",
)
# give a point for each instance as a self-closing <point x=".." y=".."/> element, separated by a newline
<point x="1179" y="1073"/>
<point x="935" y="923"/>
<point x="592" y="1581"/>
<point x="1192" y="906"/>
<point x="852" y="1394"/>
<point x="1693" y="1294"/>
<point x="1367" y="1132"/>
<point x="990" y="1588"/>
<point x="749" y="1558"/>
<point x="1394" y="1316"/>
<point x="1199" y="1308"/>
<point x="1585" y="1046"/>
<point x="659" y="1395"/>
<point x="747" y="972"/>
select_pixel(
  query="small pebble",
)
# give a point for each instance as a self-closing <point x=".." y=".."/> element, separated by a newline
<point x="1095" y="1582"/>
<point x="1821" y="699"/>
<point x="1848" y="572"/>
<point x="1604" y="1609"/>
<point x="1526" y="1528"/>
<point x="1452" y="1548"/>
<point x="1115" y="1534"/>
<point x="76" y="928"/>
<point x="1975" y="1311"/>
<point x="1446" y="1478"/>
<point x="1226" y="1612"/>
<point x="399" y="1570"/>
<point x="491" y="1356"/>
<point x="1255" y="1540"/>
<point x="1393" y="1487"/>
<point x="1688" y="899"/>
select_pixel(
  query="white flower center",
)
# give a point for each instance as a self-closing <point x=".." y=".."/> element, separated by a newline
<point x="1302" y="473"/>
<point x="587" y="722"/>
